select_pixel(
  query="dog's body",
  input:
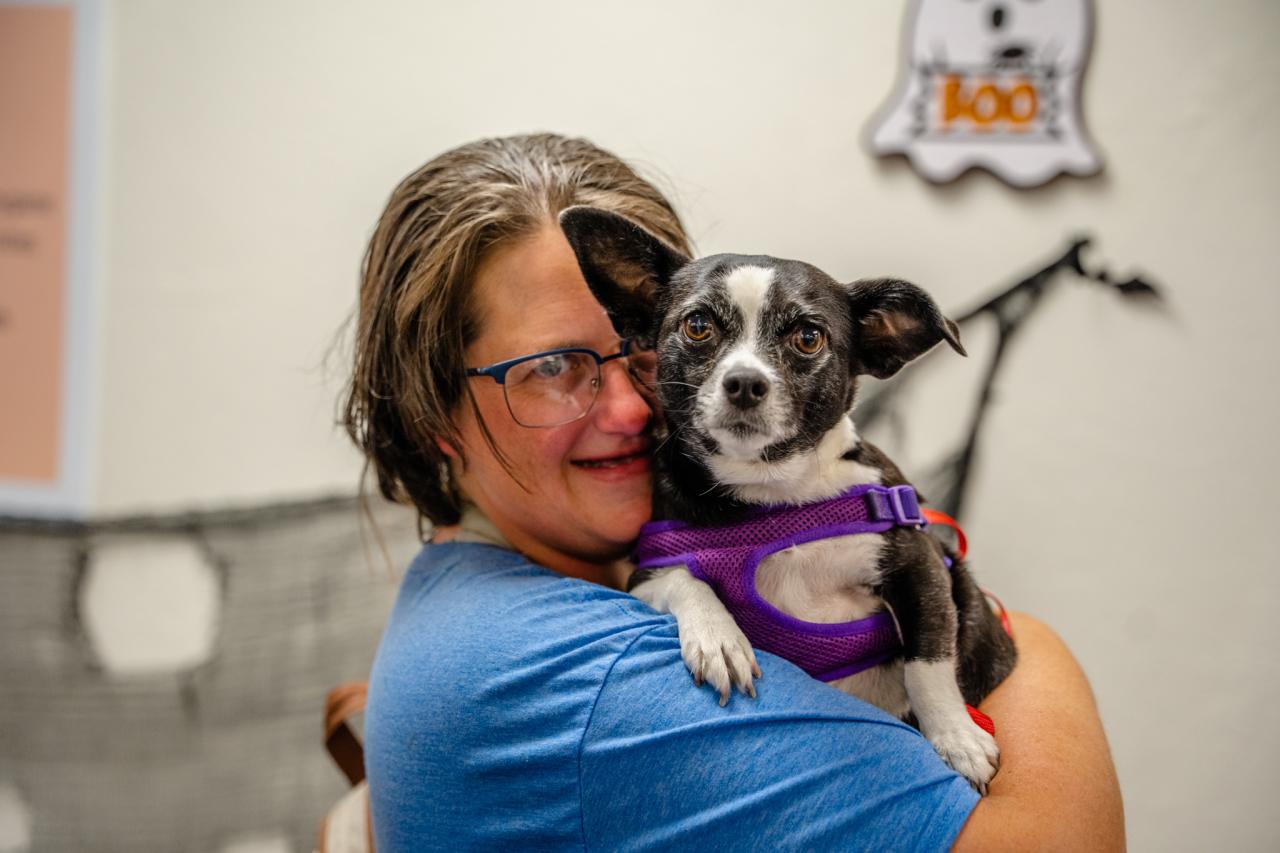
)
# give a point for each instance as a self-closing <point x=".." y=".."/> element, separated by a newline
<point x="757" y="365"/>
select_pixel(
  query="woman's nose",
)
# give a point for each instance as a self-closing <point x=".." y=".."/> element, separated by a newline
<point x="620" y="408"/>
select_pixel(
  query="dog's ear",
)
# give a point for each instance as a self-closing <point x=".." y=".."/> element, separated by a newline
<point x="893" y="323"/>
<point x="624" y="265"/>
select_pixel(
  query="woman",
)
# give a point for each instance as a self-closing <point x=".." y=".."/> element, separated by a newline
<point x="519" y="697"/>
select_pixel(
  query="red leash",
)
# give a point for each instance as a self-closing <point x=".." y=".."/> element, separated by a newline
<point x="935" y="517"/>
<point x="962" y="547"/>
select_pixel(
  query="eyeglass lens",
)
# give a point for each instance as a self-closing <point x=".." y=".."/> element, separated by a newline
<point x="557" y="389"/>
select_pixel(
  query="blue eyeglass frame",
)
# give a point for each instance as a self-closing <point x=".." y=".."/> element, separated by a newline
<point x="498" y="372"/>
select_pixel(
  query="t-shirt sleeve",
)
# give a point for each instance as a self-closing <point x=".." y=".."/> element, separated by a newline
<point x="803" y="766"/>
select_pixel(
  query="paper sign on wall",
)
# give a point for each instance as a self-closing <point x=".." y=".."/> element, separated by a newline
<point x="994" y="85"/>
<point x="50" y="69"/>
<point x="35" y="95"/>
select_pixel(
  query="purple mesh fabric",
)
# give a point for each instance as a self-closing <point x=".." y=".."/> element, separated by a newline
<point x="727" y="557"/>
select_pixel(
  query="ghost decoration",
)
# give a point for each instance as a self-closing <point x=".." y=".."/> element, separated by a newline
<point x="994" y="85"/>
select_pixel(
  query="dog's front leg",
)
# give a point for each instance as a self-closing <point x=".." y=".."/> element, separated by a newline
<point x="711" y="643"/>
<point x="919" y="593"/>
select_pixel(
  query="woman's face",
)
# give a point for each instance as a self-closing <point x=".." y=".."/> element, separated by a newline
<point x="586" y="483"/>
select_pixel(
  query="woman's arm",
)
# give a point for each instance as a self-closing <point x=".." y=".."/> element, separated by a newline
<point x="1057" y="786"/>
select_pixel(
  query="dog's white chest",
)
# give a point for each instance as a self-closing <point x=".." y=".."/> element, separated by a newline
<point x="827" y="580"/>
<point x="831" y="580"/>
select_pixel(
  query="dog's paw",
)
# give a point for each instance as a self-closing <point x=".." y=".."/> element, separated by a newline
<point x="969" y="751"/>
<point x="716" y="651"/>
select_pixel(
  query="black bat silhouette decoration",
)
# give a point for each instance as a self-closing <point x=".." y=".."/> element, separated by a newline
<point x="947" y="482"/>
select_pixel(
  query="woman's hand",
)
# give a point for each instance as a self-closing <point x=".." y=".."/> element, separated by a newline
<point x="1057" y="786"/>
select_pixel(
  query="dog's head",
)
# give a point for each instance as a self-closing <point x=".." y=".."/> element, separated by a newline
<point x="758" y="357"/>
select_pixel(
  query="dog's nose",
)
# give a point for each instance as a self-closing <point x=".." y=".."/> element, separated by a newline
<point x="1012" y="53"/>
<point x="745" y="387"/>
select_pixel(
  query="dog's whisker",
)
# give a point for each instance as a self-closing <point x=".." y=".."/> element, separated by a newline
<point x="670" y="435"/>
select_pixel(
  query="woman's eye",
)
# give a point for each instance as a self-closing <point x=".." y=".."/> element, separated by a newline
<point x="698" y="328"/>
<point x="550" y="367"/>
<point x="808" y="339"/>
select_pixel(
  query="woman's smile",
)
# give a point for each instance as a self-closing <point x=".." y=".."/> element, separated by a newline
<point x="627" y="463"/>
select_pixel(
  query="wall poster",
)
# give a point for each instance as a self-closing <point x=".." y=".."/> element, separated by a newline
<point x="48" y="77"/>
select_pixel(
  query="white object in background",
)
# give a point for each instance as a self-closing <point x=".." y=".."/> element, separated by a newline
<point x="15" y="821"/>
<point x="150" y="605"/>
<point x="994" y="85"/>
<point x="259" y="844"/>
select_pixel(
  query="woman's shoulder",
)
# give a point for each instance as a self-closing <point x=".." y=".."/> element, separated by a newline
<point x="474" y="623"/>
<point x="484" y="683"/>
<point x="461" y="588"/>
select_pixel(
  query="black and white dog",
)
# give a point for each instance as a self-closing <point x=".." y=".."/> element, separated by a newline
<point x="758" y="361"/>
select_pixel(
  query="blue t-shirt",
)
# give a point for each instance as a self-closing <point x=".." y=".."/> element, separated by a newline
<point x="513" y="708"/>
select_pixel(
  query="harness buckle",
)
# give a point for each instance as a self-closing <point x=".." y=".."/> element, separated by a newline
<point x="906" y="508"/>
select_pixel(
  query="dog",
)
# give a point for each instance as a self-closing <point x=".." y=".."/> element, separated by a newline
<point x="758" y="360"/>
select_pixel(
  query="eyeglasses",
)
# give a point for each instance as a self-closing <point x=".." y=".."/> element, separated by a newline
<point x="555" y="387"/>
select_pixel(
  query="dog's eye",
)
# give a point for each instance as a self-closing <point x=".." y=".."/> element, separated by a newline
<point x="808" y="339"/>
<point x="698" y="328"/>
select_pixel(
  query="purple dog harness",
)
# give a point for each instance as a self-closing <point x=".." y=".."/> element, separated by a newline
<point x="726" y="558"/>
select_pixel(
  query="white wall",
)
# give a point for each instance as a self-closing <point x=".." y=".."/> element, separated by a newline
<point x="1128" y="468"/>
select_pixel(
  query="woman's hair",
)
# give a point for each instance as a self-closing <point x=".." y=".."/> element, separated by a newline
<point x="416" y="315"/>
